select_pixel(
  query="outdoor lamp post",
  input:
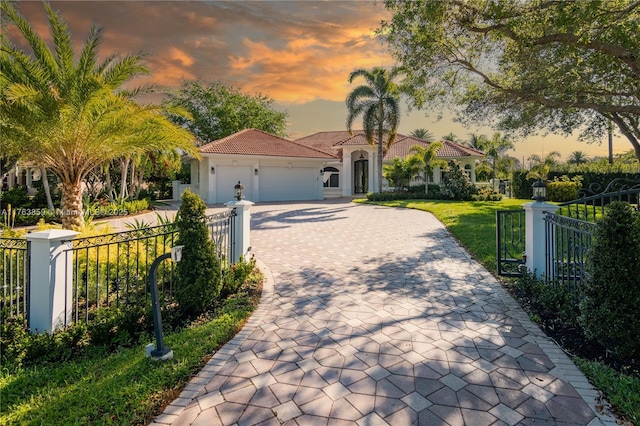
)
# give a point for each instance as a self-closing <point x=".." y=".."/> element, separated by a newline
<point x="238" y="191"/>
<point x="539" y="190"/>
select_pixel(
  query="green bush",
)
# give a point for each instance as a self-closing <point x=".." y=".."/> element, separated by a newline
<point x="521" y="185"/>
<point x="456" y="185"/>
<point x="434" y="191"/>
<point x="486" y="194"/>
<point x="560" y="191"/>
<point x="554" y="300"/>
<point x="390" y="196"/>
<point x="197" y="275"/>
<point x="609" y="309"/>
<point x="135" y="206"/>
<point x="236" y="275"/>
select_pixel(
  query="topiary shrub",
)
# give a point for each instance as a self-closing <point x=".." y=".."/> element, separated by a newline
<point x="456" y="185"/>
<point x="609" y="309"/>
<point x="563" y="189"/>
<point x="197" y="275"/>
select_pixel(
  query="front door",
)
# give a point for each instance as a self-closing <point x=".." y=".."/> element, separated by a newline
<point x="361" y="177"/>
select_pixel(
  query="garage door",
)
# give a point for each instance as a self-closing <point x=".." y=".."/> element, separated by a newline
<point x="288" y="184"/>
<point x="227" y="177"/>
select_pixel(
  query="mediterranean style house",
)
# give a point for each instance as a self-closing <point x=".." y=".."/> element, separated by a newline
<point x="322" y="165"/>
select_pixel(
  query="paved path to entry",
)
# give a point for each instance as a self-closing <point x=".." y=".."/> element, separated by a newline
<point x="376" y="316"/>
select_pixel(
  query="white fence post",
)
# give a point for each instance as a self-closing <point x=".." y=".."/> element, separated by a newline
<point x="50" y="280"/>
<point x="242" y="227"/>
<point x="535" y="235"/>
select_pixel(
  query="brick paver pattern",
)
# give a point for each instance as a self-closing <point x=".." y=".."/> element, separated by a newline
<point x="376" y="316"/>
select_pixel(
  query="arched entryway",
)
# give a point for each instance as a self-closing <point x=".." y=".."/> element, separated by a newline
<point x="361" y="177"/>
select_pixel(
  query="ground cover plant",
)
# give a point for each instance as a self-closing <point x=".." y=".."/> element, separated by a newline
<point x="113" y="382"/>
<point x="473" y="225"/>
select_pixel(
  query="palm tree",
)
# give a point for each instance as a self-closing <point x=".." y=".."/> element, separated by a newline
<point x="378" y="102"/>
<point x="70" y="115"/>
<point x="577" y="158"/>
<point x="540" y="167"/>
<point x="400" y="171"/>
<point x="423" y="134"/>
<point x="494" y="148"/>
<point x="451" y="137"/>
<point x="477" y="142"/>
<point x="428" y="160"/>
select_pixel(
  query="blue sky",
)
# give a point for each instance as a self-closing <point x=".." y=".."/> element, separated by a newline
<point x="299" y="53"/>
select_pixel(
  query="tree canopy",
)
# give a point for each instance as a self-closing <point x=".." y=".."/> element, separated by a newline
<point x="524" y="65"/>
<point x="219" y="110"/>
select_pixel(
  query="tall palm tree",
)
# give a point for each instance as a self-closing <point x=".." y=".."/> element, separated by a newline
<point x="428" y="160"/>
<point x="378" y="103"/>
<point x="577" y="157"/>
<point x="494" y="148"/>
<point x="69" y="114"/>
<point x="423" y="134"/>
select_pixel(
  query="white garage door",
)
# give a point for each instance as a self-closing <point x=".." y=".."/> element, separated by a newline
<point x="227" y="177"/>
<point x="288" y="184"/>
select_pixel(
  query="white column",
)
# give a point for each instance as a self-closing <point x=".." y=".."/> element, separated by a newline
<point x="50" y="302"/>
<point x="373" y="172"/>
<point x="242" y="228"/>
<point x="535" y="235"/>
<point x="347" y="174"/>
<point x="175" y="192"/>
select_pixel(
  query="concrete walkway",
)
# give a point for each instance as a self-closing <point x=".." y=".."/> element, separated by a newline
<point x="376" y="316"/>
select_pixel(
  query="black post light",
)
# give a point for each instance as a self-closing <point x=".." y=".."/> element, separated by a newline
<point x="161" y="352"/>
<point x="539" y="190"/>
<point x="238" y="191"/>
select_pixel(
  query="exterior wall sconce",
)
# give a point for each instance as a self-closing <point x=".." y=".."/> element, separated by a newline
<point x="539" y="190"/>
<point x="321" y="172"/>
<point x="238" y="191"/>
<point x="213" y="170"/>
<point x="255" y="172"/>
<point x="361" y="156"/>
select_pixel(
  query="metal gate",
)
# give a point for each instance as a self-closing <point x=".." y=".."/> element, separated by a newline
<point x="510" y="240"/>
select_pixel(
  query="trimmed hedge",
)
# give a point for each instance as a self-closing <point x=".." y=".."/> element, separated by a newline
<point x="609" y="308"/>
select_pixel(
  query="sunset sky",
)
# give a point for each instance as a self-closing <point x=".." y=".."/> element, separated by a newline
<point x="299" y="53"/>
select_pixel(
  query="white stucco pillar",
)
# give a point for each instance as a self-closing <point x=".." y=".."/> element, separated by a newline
<point x="347" y="174"/>
<point x="50" y="301"/>
<point x="535" y="235"/>
<point x="175" y="190"/>
<point x="242" y="228"/>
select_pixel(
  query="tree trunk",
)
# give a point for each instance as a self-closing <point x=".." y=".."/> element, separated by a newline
<point x="71" y="206"/>
<point x="47" y="189"/>
<point x="379" y="164"/>
<point x="124" y="171"/>
<point x="426" y="183"/>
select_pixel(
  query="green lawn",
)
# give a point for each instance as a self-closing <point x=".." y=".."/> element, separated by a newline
<point x="472" y="223"/>
<point x="122" y="388"/>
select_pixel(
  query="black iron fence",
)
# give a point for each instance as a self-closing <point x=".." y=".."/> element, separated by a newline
<point x="566" y="244"/>
<point x="111" y="269"/>
<point x="510" y="242"/>
<point x="14" y="272"/>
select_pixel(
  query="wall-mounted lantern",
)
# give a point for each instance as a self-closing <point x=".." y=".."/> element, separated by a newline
<point x="539" y="190"/>
<point x="238" y="191"/>
<point x="255" y="172"/>
<point x="213" y="170"/>
<point x="321" y="172"/>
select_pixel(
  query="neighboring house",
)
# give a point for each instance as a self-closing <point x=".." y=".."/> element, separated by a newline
<point x="310" y="168"/>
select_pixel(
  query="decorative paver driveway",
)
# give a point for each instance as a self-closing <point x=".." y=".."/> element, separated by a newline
<point x="376" y="316"/>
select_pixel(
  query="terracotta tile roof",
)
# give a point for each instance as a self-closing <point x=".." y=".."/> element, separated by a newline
<point x="331" y="141"/>
<point x="325" y="141"/>
<point x="257" y="142"/>
<point x="403" y="144"/>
